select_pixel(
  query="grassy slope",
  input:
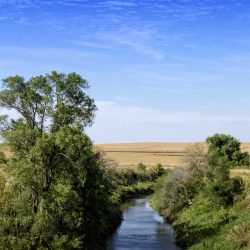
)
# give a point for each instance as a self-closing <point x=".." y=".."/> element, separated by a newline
<point x="212" y="227"/>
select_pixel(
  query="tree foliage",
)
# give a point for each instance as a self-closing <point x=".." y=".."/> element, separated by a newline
<point x="58" y="193"/>
<point x="205" y="172"/>
<point x="223" y="153"/>
<point x="227" y="147"/>
<point x="219" y="184"/>
<point x="179" y="187"/>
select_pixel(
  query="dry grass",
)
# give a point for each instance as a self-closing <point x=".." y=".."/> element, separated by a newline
<point x="150" y="153"/>
<point x="145" y="146"/>
<point x="130" y="154"/>
<point x="245" y="147"/>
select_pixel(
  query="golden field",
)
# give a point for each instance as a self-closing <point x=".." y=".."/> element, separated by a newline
<point x="149" y="153"/>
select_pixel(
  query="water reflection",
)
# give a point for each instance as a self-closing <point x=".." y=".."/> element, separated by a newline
<point x="142" y="228"/>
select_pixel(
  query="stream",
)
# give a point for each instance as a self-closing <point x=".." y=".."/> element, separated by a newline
<point x="142" y="228"/>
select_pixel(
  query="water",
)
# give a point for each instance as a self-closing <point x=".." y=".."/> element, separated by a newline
<point x="142" y="228"/>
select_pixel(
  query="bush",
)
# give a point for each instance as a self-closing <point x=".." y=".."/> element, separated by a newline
<point x="141" y="167"/>
<point x="200" y="220"/>
<point x="219" y="185"/>
<point x="159" y="170"/>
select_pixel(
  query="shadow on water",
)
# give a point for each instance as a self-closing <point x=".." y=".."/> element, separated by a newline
<point x="142" y="228"/>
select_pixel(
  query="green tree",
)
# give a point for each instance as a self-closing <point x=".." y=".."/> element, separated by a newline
<point x="223" y="153"/>
<point x="219" y="184"/>
<point x="57" y="197"/>
<point x="159" y="169"/>
<point x="227" y="147"/>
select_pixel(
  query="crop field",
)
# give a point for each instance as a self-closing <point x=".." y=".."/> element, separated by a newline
<point x="149" y="153"/>
<point x="130" y="154"/>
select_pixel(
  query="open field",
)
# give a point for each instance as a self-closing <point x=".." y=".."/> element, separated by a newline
<point x="150" y="153"/>
<point x="130" y="154"/>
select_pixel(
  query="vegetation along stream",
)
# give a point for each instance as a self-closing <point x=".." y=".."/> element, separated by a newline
<point x="142" y="228"/>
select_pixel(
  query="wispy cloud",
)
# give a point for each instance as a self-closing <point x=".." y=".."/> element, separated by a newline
<point x="91" y="44"/>
<point x="138" y="25"/>
<point x="46" y="52"/>
<point x="119" y="123"/>
<point x="140" y="40"/>
<point x="157" y="52"/>
<point x="118" y="3"/>
<point x="37" y="60"/>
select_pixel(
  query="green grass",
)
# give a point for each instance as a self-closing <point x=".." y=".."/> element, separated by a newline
<point x="203" y="217"/>
<point x="205" y="226"/>
<point x="235" y="234"/>
<point x="124" y="193"/>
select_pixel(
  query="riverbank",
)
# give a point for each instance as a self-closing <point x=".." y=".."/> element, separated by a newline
<point x="204" y="223"/>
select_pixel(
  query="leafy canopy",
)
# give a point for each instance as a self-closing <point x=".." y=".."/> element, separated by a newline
<point x="58" y="197"/>
<point x="50" y="101"/>
<point x="227" y="147"/>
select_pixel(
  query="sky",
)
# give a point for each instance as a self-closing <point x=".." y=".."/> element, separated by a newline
<point x="159" y="70"/>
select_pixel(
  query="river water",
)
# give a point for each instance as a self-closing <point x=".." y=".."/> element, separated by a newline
<point x="142" y="228"/>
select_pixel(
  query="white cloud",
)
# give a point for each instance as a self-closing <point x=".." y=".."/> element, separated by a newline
<point x="90" y="44"/>
<point x="118" y="123"/>
<point x="112" y="112"/>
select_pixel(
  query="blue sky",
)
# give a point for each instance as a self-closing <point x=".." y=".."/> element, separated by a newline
<point x="159" y="70"/>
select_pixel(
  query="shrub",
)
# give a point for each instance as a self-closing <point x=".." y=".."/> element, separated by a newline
<point x="159" y="170"/>
<point x="142" y="167"/>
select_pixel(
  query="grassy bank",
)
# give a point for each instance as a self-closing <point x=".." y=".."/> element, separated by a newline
<point x="206" y="224"/>
<point x="131" y="182"/>
<point x="208" y="202"/>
